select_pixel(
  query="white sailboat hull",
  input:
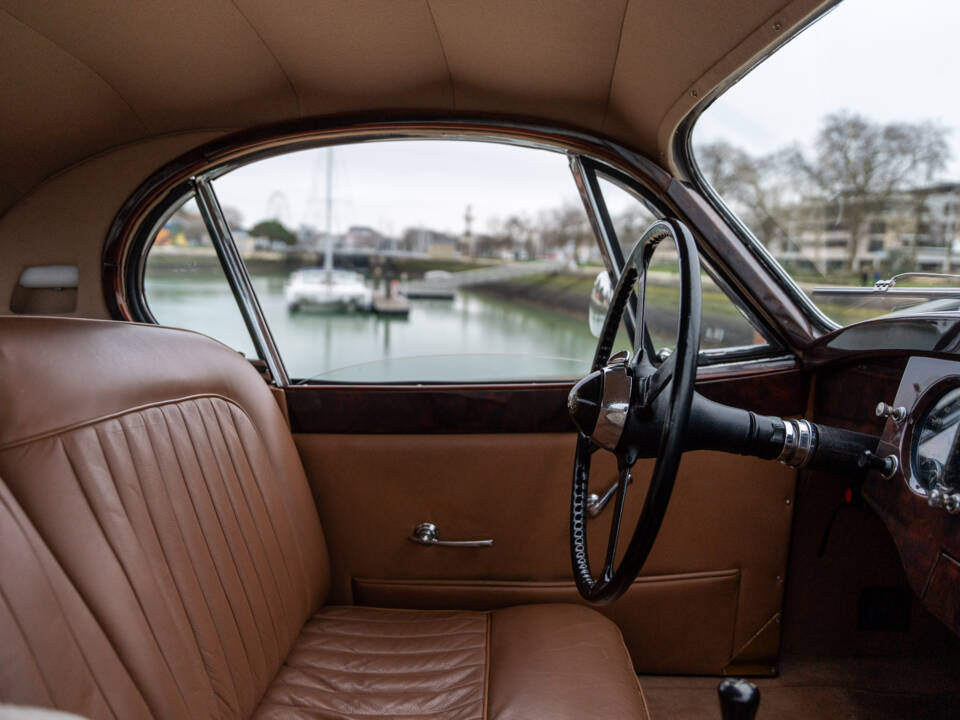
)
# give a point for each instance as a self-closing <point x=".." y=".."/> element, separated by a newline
<point x="323" y="291"/>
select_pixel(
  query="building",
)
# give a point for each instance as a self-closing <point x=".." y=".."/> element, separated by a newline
<point x="916" y="229"/>
<point x="430" y="242"/>
<point x="362" y="237"/>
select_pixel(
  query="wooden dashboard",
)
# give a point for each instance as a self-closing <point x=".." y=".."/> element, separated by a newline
<point x="927" y="537"/>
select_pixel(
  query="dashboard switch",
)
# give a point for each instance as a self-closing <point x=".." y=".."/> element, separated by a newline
<point x="936" y="497"/>
<point x="941" y="497"/>
<point x="899" y="414"/>
<point x="952" y="503"/>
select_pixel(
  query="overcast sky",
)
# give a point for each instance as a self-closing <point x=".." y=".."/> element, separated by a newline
<point x="890" y="60"/>
<point x="394" y="185"/>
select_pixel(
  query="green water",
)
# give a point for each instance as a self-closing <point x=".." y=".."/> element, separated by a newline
<point x="475" y="337"/>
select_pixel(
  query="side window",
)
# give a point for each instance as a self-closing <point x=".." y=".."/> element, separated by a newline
<point x="723" y="325"/>
<point x="418" y="261"/>
<point x="184" y="284"/>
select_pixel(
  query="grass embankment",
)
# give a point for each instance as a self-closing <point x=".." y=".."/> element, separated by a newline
<point x="569" y="292"/>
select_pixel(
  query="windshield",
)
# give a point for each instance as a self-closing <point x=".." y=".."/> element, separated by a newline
<point x="837" y="153"/>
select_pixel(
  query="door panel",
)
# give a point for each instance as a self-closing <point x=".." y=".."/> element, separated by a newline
<point x="728" y="513"/>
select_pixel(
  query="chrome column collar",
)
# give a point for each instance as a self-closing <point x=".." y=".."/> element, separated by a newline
<point x="798" y="443"/>
<point x="614" y="406"/>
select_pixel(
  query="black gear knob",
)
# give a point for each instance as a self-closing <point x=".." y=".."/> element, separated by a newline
<point x="739" y="699"/>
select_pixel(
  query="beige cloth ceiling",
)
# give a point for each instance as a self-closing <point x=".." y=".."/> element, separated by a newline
<point x="81" y="78"/>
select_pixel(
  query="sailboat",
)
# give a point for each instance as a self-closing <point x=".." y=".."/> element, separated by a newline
<point x="327" y="289"/>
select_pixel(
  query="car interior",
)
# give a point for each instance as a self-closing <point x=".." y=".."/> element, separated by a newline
<point x="215" y="504"/>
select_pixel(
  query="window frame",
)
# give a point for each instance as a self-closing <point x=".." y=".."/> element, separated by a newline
<point x="136" y="225"/>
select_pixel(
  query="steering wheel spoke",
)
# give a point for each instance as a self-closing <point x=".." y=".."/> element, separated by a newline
<point x="659" y="379"/>
<point x="640" y="337"/>
<point x="622" y="482"/>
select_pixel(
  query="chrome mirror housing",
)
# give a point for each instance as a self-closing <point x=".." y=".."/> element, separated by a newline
<point x="600" y="298"/>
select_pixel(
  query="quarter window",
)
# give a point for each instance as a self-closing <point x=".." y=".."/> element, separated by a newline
<point x="184" y="284"/>
<point x="723" y="324"/>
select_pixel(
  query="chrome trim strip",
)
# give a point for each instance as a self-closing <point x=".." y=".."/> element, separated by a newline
<point x="798" y="443"/>
<point x="720" y="369"/>
<point x="603" y="232"/>
<point x="239" y="279"/>
<point x="600" y="229"/>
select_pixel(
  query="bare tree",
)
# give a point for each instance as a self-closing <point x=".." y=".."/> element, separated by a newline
<point x="519" y="235"/>
<point x="630" y="225"/>
<point x="861" y="164"/>
<point x="564" y="227"/>
<point x="757" y="188"/>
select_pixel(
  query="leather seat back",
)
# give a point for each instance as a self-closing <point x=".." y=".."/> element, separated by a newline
<point x="158" y="470"/>
<point x="52" y="652"/>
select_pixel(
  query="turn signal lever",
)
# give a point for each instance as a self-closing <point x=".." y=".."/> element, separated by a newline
<point x="797" y="443"/>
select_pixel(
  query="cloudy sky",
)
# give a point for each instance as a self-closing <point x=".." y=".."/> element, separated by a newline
<point x="890" y="60"/>
<point x="887" y="59"/>
<point x="395" y="185"/>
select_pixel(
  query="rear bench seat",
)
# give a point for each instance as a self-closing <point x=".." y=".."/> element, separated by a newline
<point x="162" y="558"/>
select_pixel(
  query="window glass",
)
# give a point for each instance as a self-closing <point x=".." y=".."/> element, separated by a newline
<point x="184" y="284"/>
<point x="837" y="153"/>
<point x="451" y="261"/>
<point x="722" y="324"/>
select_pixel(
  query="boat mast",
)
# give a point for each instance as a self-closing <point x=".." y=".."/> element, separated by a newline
<point x="328" y="251"/>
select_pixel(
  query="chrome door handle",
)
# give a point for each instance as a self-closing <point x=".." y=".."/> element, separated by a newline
<point x="426" y="533"/>
<point x="596" y="503"/>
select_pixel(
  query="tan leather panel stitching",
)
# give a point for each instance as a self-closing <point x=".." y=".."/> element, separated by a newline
<point x="353" y="662"/>
<point x="178" y="513"/>
<point x="110" y="416"/>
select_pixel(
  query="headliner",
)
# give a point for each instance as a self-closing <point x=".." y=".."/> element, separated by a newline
<point x="82" y="79"/>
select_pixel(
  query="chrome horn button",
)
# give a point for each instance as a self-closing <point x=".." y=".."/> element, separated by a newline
<point x="600" y="402"/>
<point x="617" y="386"/>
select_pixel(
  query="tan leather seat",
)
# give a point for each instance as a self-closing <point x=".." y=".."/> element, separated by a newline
<point x="162" y="557"/>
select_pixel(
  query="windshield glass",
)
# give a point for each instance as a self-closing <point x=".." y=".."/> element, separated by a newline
<point x="837" y="152"/>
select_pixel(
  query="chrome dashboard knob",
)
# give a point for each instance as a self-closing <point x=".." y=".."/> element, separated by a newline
<point x="952" y="503"/>
<point x="899" y="414"/>
<point x="936" y="497"/>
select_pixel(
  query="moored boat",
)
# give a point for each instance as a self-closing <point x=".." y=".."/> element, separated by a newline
<point x="327" y="291"/>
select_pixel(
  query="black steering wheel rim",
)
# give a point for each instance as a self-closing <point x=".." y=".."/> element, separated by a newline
<point x="676" y="376"/>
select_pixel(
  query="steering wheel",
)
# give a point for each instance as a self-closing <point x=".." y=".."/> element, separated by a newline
<point x="635" y="407"/>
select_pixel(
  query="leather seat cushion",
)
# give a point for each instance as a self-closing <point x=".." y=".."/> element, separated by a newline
<point x="535" y="661"/>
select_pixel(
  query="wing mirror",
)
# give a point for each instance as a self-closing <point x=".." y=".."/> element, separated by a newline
<point x="600" y="298"/>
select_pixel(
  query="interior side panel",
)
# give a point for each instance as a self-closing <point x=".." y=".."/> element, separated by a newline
<point x="716" y="572"/>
